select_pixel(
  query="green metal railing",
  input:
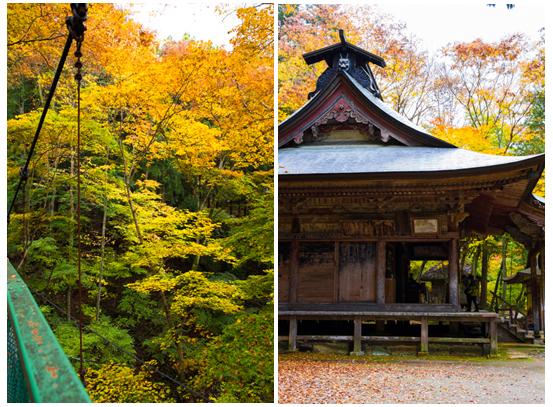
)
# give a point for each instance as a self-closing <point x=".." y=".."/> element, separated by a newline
<point x="38" y="369"/>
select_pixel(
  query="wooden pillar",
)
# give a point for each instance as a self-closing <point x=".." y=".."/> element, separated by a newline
<point x="484" y="284"/>
<point x="536" y="306"/>
<point x="381" y="272"/>
<point x="336" y="290"/>
<point x="494" y="350"/>
<point x="294" y="261"/>
<point x="380" y="280"/>
<point x="357" y="337"/>
<point x="454" y="273"/>
<point x="542" y="267"/>
<point x="293" y="334"/>
<point x="424" y="336"/>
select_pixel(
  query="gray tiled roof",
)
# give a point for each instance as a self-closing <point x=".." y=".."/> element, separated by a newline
<point x="337" y="158"/>
<point x="386" y="108"/>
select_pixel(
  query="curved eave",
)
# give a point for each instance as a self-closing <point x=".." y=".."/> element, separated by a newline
<point x="316" y="164"/>
<point x="380" y="112"/>
<point x="533" y="208"/>
<point x="522" y="276"/>
<point x="537" y="203"/>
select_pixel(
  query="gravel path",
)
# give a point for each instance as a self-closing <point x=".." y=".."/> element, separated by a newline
<point x="416" y="381"/>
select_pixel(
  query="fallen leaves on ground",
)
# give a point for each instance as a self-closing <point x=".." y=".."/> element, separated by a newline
<point x="358" y="381"/>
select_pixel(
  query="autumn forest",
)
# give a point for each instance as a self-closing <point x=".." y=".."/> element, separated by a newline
<point x="176" y="233"/>
<point x="164" y="203"/>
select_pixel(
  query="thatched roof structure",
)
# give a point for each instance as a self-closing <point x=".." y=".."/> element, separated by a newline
<point x="522" y="276"/>
<point x="439" y="272"/>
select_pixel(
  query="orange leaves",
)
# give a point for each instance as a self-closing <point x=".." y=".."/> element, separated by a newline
<point x="508" y="48"/>
<point x="466" y="137"/>
<point x="226" y="121"/>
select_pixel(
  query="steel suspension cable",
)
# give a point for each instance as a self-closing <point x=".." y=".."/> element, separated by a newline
<point x="78" y="77"/>
<point x="25" y="168"/>
<point x="76" y="27"/>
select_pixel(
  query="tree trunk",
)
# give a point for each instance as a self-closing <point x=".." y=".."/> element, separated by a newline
<point x="25" y="233"/>
<point x="102" y="255"/>
<point x="103" y="244"/>
<point x="128" y="191"/>
<point x="69" y="304"/>
<point x="71" y="199"/>
<point x="172" y="327"/>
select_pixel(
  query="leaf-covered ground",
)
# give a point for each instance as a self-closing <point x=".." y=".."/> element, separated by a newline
<point x="412" y="381"/>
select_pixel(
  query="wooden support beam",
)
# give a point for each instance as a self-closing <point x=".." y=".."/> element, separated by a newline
<point x="454" y="273"/>
<point x="494" y="350"/>
<point x="542" y="266"/>
<point x="357" y="337"/>
<point x="336" y="288"/>
<point x="292" y="337"/>
<point x="424" y="336"/>
<point x="294" y="261"/>
<point x="381" y="272"/>
<point x="484" y="282"/>
<point x="390" y="339"/>
<point x="346" y="338"/>
<point x="536" y="306"/>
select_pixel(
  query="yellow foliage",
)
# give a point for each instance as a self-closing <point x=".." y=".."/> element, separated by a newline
<point x="467" y="137"/>
<point x="122" y="384"/>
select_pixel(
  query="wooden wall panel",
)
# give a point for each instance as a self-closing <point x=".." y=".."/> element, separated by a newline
<point x="357" y="272"/>
<point x="284" y="271"/>
<point x="316" y="272"/>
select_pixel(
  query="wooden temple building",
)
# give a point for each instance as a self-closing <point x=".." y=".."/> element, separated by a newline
<point x="362" y="192"/>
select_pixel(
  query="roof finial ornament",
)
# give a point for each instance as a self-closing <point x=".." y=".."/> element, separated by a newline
<point x="343" y="63"/>
<point x="355" y="64"/>
<point x="342" y="38"/>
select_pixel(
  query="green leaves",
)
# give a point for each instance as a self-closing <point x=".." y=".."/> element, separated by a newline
<point x="239" y="364"/>
<point x="94" y="347"/>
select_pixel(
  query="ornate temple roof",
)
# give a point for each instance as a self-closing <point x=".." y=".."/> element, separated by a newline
<point x="346" y="140"/>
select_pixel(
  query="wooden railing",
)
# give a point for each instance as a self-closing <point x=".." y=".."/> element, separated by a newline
<point x="514" y="310"/>
<point x="487" y="318"/>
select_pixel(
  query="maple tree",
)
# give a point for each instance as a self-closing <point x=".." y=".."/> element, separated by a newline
<point x="176" y="156"/>
<point x="493" y="83"/>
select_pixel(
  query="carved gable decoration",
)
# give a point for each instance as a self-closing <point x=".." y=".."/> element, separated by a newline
<point x="343" y="116"/>
<point x="341" y="111"/>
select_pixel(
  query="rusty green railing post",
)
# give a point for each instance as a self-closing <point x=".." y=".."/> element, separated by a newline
<point x="38" y="369"/>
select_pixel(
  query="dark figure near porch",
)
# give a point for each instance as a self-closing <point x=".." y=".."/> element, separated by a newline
<point x="472" y="293"/>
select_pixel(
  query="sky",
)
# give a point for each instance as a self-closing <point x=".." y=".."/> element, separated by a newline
<point x="200" y="20"/>
<point x="440" y="24"/>
<point x="436" y="24"/>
